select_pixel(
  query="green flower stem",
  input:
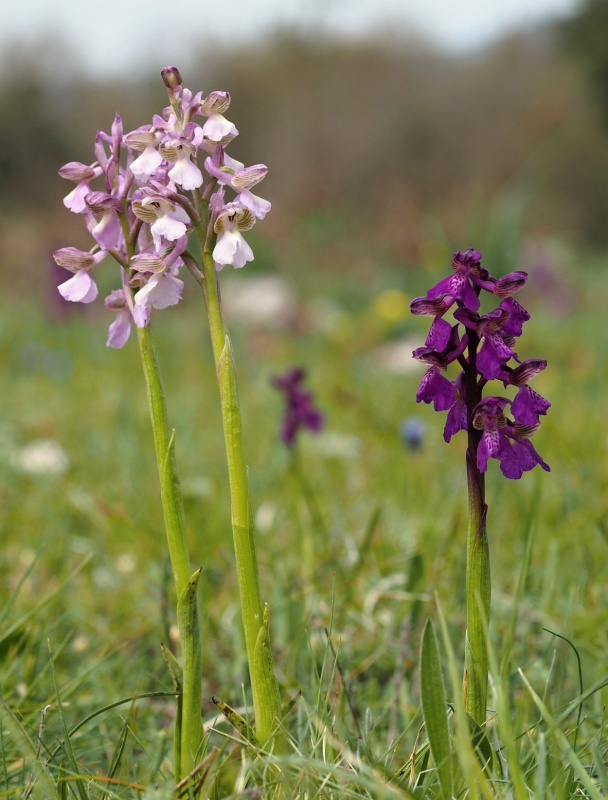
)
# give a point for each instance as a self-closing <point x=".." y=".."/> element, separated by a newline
<point x="264" y="686"/>
<point x="191" y="734"/>
<point x="478" y="591"/>
<point x="477" y="580"/>
<point x="165" y="455"/>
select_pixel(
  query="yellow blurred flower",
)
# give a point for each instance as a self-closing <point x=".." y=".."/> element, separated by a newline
<point x="391" y="305"/>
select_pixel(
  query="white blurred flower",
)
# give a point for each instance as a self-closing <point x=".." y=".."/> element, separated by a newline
<point x="397" y="356"/>
<point x="266" y="301"/>
<point x="265" y="516"/>
<point x="126" y="563"/>
<point x="337" y="445"/>
<point x="80" y="644"/>
<point x="41" y="457"/>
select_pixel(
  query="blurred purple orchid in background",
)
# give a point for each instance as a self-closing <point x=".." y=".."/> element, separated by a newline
<point x="300" y="411"/>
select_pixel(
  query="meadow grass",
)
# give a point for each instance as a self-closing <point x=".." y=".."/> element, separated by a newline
<point x="86" y="596"/>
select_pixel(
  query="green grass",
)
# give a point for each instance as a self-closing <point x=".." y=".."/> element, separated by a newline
<point x="84" y="603"/>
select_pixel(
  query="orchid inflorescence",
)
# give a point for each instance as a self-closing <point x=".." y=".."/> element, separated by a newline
<point x="142" y="216"/>
<point x="482" y="344"/>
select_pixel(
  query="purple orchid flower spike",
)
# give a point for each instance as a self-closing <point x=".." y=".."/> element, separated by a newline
<point x="483" y="345"/>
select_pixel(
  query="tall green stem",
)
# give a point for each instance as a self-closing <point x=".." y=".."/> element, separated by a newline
<point x="264" y="686"/>
<point x="478" y="579"/>
<point x="478" y="591"/>
<point x="189" y="738"/>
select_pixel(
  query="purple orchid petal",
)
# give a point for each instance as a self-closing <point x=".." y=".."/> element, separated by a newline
<point x="457" y="419"/>
<point x="527" y="456"/>
<point x="528" y="405"/>
<point x="439" y="334"/>
<point x="493" y="355"/>
<point x="491" y="445"/>
<point x="436" y="389"/>
<point x="517" y="316"/>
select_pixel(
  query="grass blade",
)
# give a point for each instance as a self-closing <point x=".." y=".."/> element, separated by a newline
<point x="435" y="708"/>
<point x="563" y="743"/>
<point x="80" y="787"/>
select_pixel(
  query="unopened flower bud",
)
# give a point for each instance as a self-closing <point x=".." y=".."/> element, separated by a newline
<point x="171" y="77"/>
<point x="75" y="171"/>
<point x="470" y="258"/>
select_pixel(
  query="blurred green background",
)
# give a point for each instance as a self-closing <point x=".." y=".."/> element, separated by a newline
<point x="380" y="151"/>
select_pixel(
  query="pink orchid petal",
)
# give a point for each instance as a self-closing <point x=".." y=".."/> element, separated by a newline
<point x="120" y="329"/>
<point x="81" y="288"/>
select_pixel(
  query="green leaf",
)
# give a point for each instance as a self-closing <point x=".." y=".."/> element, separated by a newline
<point x="435" y="708"/>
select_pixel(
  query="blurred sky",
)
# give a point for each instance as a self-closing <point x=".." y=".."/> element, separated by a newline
<point x="109" y="35"/>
